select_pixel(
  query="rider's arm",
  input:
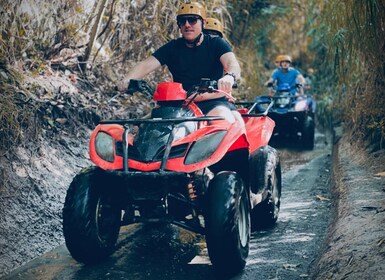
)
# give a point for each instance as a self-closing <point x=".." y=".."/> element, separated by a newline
<point x="301" y="80"/>
<point x="273" y="77"/>
<point x="231" y="66"/>
<point x="139" y="71"/>
<point x="270" y="81"/>
<point x="232" y="69"/>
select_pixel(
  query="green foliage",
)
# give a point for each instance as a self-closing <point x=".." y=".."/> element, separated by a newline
<point x="31" y="29"/>
<point x="250" y="37"/>
<point x="350" y="39"/>
<point x="343" y="40"/>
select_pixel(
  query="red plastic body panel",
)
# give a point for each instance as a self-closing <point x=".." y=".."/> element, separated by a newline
<point x="255" y="133"/>
<point x="259" y="131"/>
<point x="116" y="131"/>
<point x="170" y="91"/>
<point x="177" y="164"/>
<point x="195" y="109"/>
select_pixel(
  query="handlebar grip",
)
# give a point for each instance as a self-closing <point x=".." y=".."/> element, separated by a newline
<point x="128" y="91"/>
<point x="133" y="86"/>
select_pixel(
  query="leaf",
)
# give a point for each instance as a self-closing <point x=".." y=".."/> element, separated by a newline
<point x="61" y="120"/>
<point x="291" y="267"/>
<point x="50" y="122"/>
<point x="380" y="174"/>
<point x="381" y="242"/>
<point x="200" y="260"/>
<point x="322" y="198"/>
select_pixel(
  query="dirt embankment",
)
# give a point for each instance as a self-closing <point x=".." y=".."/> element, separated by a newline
<point x="355" y="248"/>
<point x="34" y="180"/>
<point x="35" y="174"/>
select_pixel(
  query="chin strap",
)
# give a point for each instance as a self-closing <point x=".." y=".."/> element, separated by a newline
<point x="195" y="42"/>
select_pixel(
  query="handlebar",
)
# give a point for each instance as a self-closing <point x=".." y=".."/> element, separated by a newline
<point x="205" y="85"/>
<point x="140" y="86"/>
<point x="297" y="85"/>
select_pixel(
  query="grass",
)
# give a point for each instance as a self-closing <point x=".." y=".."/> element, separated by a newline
<point x="17" y="112"/>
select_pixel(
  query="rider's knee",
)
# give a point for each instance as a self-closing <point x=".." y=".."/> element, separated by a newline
<point x="224" y="112"/>
<point x="237" y="115"/>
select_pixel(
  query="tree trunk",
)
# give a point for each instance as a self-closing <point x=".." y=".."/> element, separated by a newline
<point x="94" y="31"/>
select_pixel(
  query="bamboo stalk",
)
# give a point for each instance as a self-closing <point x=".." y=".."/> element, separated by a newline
<point x="94" y="31"/>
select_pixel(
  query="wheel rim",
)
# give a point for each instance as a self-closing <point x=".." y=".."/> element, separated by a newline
<point x="242" y="223"/>
<point x="105" y="220"/>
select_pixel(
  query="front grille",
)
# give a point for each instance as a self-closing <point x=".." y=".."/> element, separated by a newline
<point x="133" y="153"/>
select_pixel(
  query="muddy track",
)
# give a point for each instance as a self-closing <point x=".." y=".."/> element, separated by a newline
<point x="286" y="251"/>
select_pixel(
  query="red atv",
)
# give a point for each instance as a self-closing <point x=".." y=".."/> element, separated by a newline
<point x="199" y="172"/>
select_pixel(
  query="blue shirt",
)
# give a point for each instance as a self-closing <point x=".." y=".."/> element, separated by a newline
<point x="289" y="77"/>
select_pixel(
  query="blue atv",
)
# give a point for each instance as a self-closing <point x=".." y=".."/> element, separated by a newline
<point x="293" y="114"/>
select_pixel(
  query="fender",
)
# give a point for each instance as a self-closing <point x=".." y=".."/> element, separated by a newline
<point x="259" y="131"/>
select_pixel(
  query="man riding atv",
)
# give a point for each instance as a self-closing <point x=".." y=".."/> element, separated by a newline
<point x="191" y="163"/>
<point x="287" y="75"/>
<point x="195" y="56"/>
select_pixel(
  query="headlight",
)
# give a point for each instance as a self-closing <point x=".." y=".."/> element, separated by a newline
<point x="204" y="147"/>
<point x="282" y="101"/>
<point x="300" y="105"/>
<point x="104" y="145"/>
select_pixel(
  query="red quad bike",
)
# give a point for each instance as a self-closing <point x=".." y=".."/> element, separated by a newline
<point x="179" y="166"/>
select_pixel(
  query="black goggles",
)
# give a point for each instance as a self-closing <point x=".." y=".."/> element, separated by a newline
<point x="181" y="21"/>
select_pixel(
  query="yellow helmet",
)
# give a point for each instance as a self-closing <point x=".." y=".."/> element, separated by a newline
<point x="285" y="58"/>
<point x="278" y="58"/>
<point x="214" y="25"/>
<point x="192" y="8"/>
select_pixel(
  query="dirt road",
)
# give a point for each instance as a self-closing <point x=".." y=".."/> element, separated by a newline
<point x="286" y="251"/>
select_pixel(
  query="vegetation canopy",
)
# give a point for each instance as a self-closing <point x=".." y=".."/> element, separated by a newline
<point x="95" y="42"/>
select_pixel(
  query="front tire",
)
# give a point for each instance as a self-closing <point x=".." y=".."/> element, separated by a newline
<point x="227" y="223"/>
<point x="91" y="217"/>
<point x="265" y="179"/>
<point x="308" y="131"/>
